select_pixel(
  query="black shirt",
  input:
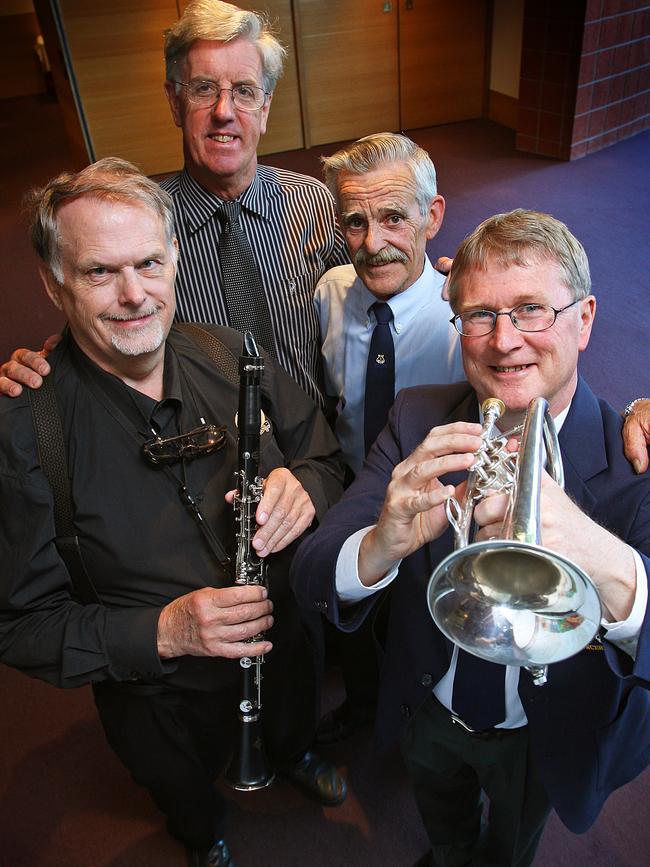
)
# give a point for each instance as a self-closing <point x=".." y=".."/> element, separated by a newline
<point x="141" y="544"/>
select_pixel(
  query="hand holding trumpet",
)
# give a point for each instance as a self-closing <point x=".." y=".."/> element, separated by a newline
<point x="568" y="531"/>
<point x="414" y="508"/>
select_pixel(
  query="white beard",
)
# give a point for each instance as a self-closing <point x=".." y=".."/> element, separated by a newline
<point x="140" y="341"/>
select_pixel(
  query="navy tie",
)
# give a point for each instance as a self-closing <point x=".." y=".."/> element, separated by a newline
<point x="380" y="375"/>
<point x="479" y="691"/>
<point x="248" y="309"/>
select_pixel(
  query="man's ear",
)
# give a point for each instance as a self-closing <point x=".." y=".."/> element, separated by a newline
<point x="435" y="217"/>
<point x="52" y="286"/>
<point x="264" y="116"/>
<point x="587" y="314"/>
<point x="174" y="102"/>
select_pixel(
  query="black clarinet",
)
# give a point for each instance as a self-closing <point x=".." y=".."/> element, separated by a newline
<point x="248" y="768"/>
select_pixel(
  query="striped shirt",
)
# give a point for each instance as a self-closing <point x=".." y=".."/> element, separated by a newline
<point x="290" y="222"/>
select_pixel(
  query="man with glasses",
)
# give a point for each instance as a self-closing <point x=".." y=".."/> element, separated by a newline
<point x="520" y="291"/>
<point x="222" y="65"/>
<point x="149" y="422"/>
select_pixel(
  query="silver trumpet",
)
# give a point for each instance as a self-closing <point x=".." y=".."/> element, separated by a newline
<point x="510" y="600"/>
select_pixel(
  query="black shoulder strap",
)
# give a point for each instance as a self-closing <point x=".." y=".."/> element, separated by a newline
<point x="52" y="454"/>
<point x="215" y="348"/>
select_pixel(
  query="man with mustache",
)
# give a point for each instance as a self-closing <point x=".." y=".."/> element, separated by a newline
<point x="388" y="208"/>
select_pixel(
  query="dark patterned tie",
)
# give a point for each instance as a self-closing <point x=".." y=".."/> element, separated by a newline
<point x="248" y="309"/>
<point x="380" y="375"/>
<point x="479" y="691"/>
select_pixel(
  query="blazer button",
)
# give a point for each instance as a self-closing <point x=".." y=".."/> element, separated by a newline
<point x="427" y="680"/>
<point x="321" y="605"/>
<point x="405" y="710"/>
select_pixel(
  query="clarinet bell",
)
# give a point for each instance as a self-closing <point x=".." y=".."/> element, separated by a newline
<point x="249" y="769"/>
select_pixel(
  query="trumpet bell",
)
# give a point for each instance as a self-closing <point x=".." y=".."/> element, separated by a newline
<point x="514" y="603"/>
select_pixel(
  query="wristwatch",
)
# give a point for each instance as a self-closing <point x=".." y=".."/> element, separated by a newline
<point x="629" y="409"/>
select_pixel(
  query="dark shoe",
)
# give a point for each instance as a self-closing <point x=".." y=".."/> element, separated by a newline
<point x="342" y="723"/>
<point x="317" y="777"/>
<point x="218" y="856"/>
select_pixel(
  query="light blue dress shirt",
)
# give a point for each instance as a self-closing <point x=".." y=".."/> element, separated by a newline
<point x="427" y="347"/>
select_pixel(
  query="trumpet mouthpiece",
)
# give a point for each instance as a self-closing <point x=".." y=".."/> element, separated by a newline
<point x="493" y="405"/>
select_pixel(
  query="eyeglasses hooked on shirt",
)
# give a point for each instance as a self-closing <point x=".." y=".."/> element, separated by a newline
<point x="201" y="441"/>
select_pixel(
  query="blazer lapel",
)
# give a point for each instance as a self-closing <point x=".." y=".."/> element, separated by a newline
<point x="582" y="443"/>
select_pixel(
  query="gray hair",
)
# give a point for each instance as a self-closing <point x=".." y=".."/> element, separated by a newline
<point x="111" y="179"/>
<point x="384" y="147"/>
<point x="521" y="238"/>
<point x="223" y="22"/>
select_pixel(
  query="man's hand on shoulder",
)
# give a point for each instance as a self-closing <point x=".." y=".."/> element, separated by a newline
<point x="26" y="367"/>
<point x="443" y="265"/>
<point x="216" y="622"/>
<point x="636" y="434"/>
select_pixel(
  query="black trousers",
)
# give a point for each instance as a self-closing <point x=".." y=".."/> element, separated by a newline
<point x="450" y="768"/>
<point x="176" y="742"/>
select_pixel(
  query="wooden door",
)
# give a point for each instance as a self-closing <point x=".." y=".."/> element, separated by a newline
<point x="348" y="68"/>
<point x="442" y="47"/>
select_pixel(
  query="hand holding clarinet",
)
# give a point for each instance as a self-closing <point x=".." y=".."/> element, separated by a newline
<point x="221" y="621"/>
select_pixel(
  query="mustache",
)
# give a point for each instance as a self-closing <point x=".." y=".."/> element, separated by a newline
<point x="383" y="257"/>
<point x="127" y="317"/>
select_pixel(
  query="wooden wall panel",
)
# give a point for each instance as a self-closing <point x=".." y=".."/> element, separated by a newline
<point x="284" y="131"/>
<point x="20" y="74"/>
<point x="116" y="47"/>
<point x="348" y="68"/>
<point x="442" y="60"/>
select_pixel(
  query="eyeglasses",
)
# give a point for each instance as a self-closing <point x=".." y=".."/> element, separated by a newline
<point x="245" y="97"/>
<point x="525" y="317"/>
<point x="201" y="441"/>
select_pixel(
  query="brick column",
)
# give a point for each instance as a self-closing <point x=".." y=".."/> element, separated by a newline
<point x="585" y="75"/>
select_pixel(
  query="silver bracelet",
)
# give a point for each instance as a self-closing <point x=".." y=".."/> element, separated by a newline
<point x="629" y="409"/>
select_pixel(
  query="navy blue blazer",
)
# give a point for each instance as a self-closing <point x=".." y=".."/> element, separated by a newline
<point x="590" y="724"/>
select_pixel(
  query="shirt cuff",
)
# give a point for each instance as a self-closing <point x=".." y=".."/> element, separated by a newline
<point x="131" y="644"/>
<point x="349" y="588"/>
<point x="625" y="633"/>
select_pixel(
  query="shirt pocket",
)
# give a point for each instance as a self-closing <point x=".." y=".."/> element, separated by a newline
<point x="298" y="303"/>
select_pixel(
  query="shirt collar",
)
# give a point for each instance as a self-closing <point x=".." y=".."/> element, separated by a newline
<point x="405" y="305"/>
<point x="199" y="205"/>
<point x="138" y="408"/>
